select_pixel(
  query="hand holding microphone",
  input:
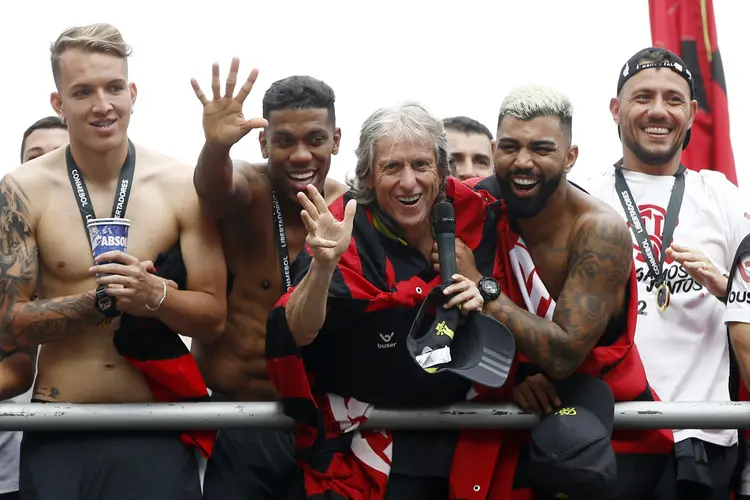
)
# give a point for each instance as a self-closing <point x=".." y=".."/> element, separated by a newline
<point x="462" y="291"/>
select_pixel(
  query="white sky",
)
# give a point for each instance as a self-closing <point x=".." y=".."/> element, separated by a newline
<point x="455" y="57"/>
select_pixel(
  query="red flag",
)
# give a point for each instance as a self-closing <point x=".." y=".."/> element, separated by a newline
<point x="687" y="28"/>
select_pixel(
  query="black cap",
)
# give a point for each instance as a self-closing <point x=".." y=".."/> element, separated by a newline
<point x="669" y="60"/>
<point x="571" y="453"/>
<point x="481" y="348"/>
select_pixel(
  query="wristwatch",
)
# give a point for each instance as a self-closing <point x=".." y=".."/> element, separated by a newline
<point x="105" y="304"/>
<point x="489" y="288"/>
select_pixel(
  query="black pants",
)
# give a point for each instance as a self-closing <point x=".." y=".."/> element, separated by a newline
<point x="249" y="464"/>
<point x="721" y="463"/>
<point x="107" y="466"/>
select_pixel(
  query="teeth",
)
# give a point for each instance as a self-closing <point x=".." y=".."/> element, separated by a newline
<point x="656" y="130"/>
<point x="524" y="182"/>
<point x="301" y="176"/>
<point x="409" y="199"/>
<point x="104" y="124"/>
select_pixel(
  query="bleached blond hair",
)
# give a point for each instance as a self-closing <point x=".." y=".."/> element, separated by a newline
<point x="531" y="101"/>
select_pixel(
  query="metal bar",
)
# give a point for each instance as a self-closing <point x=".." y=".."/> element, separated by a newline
<point x="166" y="416"/>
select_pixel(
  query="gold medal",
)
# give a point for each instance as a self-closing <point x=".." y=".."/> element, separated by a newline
<point x="663" y="296"/>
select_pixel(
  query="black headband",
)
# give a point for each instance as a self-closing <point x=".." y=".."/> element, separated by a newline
<point x="669" y="60"/>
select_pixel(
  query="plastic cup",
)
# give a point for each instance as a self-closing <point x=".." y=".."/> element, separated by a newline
<point x="107" y="235"/>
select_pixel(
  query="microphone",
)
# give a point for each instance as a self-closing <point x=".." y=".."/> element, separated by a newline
<point x="444" y="225"/>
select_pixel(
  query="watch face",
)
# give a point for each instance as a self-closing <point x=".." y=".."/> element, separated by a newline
<point x="490" y="286"/>
<point x="105" y="303"/>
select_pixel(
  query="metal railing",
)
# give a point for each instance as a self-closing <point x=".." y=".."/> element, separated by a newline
<point x="221" y="415"/>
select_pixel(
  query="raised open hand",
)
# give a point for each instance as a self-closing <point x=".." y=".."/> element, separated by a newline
<point x="327" y="237"/>
<point x="223" y="121"/>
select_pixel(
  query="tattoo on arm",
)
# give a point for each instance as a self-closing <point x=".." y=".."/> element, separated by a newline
<point x="50" y="392"/>
<point x="24" y="322"/>
<point x="599" y="265"/>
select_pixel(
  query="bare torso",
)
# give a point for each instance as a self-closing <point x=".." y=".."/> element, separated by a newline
<point x="551" y="255"/>
<point x="84" y="367"/>
<point x="235" y="364"/>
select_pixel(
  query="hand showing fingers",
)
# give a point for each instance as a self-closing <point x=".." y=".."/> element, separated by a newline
<point x="327" y="237"/>
<point x="223" y="121"/>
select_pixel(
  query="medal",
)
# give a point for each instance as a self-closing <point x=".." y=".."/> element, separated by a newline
<point x="662" y="297"/>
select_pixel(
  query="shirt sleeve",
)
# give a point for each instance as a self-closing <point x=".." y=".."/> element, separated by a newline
<point x="738" y="300"/>
<point x="736" y="211"/>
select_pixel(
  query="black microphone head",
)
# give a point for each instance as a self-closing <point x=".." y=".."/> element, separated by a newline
<point x="443" y="218"/>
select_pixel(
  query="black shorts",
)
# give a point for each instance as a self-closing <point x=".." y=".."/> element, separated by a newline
<point x="107" y="465"/>
<point x="246" y="464"/>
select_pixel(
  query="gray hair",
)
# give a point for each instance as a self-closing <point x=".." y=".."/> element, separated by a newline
<point x="531" y="101"/>
<point x="409" y="121"/>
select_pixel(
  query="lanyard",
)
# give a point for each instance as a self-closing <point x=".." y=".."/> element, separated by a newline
<point x="286" y="275"/>
<point x="637" y="225"/>
<point x="122" y="194"/>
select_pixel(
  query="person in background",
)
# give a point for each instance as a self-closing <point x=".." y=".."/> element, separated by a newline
<point x="471" y="147"/>
<point x="43" y="136"/>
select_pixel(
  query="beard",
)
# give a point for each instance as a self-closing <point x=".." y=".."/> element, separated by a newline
<point x="526" y="208"/>
<point x="653" y="158"/>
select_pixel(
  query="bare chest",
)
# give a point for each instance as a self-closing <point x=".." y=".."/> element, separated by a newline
<point x="64" y="249"/>
<point x="254" y="255"/>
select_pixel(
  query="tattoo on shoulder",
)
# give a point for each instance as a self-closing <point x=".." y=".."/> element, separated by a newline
<point x="601" y="252"/>
<point x="18" y="251"/>
<point x="599" y="263"/>
<point x="24" y="322"/>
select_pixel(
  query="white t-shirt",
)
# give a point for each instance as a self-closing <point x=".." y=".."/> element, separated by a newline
<point x="684" y="349"/>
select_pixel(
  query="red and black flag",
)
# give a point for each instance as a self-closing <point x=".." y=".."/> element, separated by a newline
<point x="687" y="28"/>
<point x="162" y="357"/>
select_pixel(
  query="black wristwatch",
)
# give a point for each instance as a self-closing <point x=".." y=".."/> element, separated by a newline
<point x="489" y="288"/>
<point x="105" y="304"/>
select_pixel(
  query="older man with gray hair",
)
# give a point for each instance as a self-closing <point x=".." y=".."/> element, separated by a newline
<point x="359" y="284"/>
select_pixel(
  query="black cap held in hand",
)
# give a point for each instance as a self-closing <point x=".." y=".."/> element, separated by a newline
<point x="443" y="218"/>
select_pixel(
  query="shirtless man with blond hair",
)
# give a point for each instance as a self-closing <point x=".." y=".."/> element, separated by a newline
<point x="262" y="233"/>
<point x="44" y="248"/>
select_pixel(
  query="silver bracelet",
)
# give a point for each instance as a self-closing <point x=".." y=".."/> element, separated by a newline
<point x="164" y="296"/>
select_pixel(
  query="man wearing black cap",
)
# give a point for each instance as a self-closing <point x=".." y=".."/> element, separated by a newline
<point x="686" y="226"/>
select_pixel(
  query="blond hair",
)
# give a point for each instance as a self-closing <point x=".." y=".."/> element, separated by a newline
<point x="101" y="37"/>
